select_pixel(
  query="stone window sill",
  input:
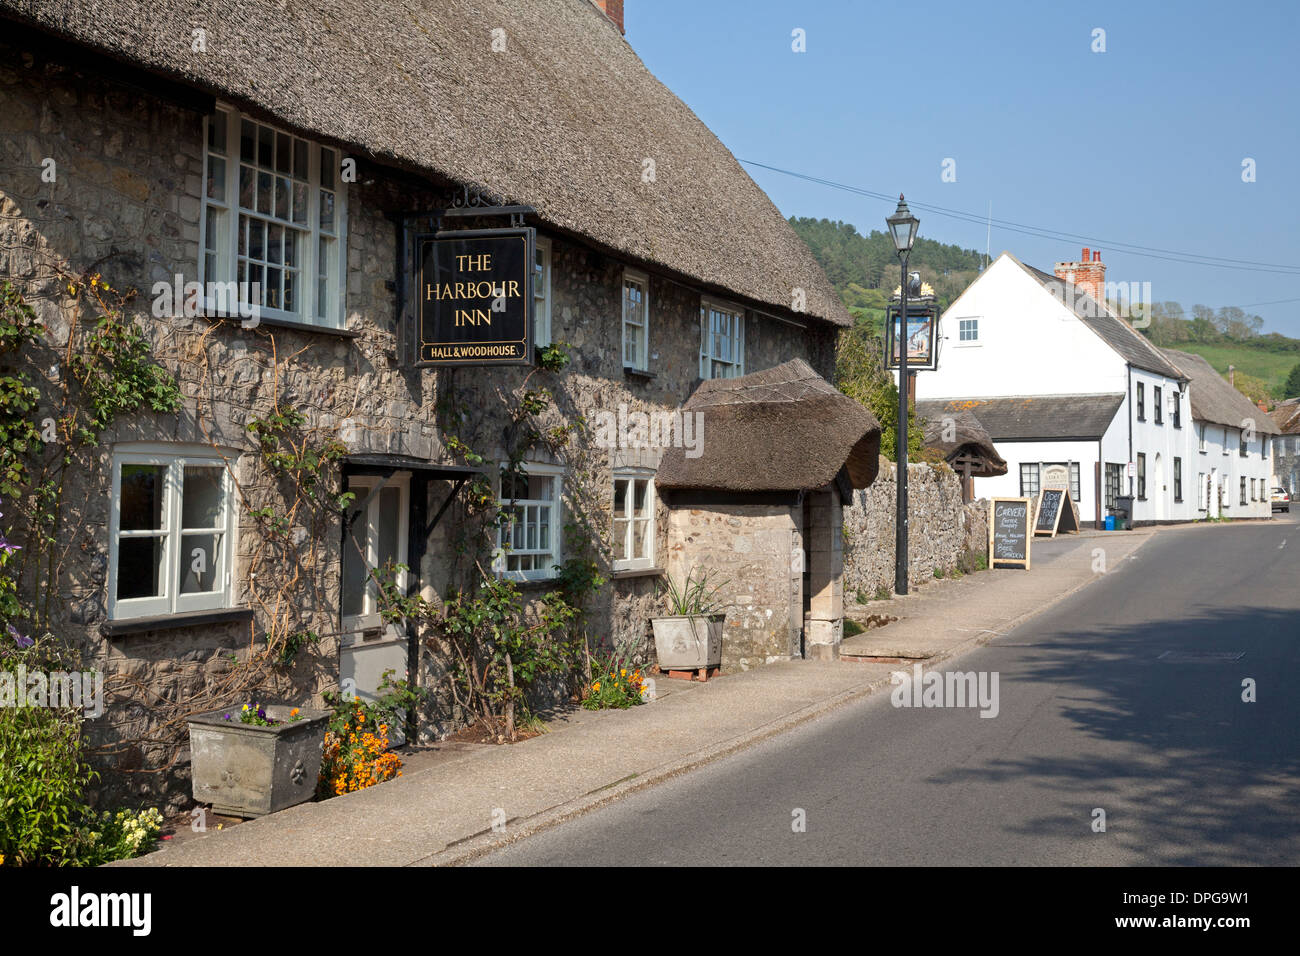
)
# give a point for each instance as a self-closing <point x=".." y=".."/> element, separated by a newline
<point x="627" y="573"/>
<point x="639" y="374"/>
<point x="306" y="327"/>
<point x="162" y="622"/>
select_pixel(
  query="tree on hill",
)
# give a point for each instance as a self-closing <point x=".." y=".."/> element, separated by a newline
<point x="861" y="375"/>
<point x="1292" y="387"/>
<point x="856" y="263"/>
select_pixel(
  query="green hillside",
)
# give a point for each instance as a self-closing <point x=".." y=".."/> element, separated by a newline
<point x="865" y="269"/>
<point x="1270" y="369"/>
<point x="1229" y="336"/>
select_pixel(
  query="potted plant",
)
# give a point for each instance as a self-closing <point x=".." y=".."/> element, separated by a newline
<point x="256" y="759"/>
<point x="690" y="637"/>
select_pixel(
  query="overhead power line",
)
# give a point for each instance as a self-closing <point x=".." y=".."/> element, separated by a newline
<point x="1152" y="252"/>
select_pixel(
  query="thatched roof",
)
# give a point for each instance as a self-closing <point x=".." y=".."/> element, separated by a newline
<point x="563" y="119"/>
<point x="968" y="437"/>
<point x="782" y="429"/>
<point x="1214" y="400"/>
<point x="1033" y="417"/>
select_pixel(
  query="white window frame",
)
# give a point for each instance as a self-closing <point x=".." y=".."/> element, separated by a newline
<point x="227" y="234"/>
<point x="174" y="458"/>
<point x="542" y="293"/>
<point x="707" y="359"/>
<point x="974" y="340"/>
<point x="1200" y="436"/>
<point x="640" y="330"/>
<point x="1227" y="449"/>
<point x="629" y="519"/>
<point x="556" y="504"/>
<point x="364" y="486"/>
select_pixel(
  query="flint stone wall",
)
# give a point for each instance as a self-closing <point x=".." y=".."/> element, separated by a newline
<point x="941" y="529"/>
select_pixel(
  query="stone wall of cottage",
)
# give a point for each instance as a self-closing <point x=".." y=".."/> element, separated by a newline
<point x="751" y="552"/>
<point x="125" y="202"/>
<point x="942" y="530"/>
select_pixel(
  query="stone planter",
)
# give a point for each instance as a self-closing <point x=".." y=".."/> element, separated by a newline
<point x="688" y="643"/>
<point x="244" y="770"/>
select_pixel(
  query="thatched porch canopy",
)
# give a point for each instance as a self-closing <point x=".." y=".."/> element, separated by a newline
<point x="783" y="429"/>
<point x="968" y="439"/>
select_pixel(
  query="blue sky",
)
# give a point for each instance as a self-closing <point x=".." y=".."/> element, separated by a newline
<point x="1142" y="144"/>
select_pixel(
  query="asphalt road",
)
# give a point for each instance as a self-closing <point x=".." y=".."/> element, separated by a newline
<point x="1089" y="717"/>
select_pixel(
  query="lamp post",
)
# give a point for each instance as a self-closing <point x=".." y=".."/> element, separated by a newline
<point x="902" y="227"/>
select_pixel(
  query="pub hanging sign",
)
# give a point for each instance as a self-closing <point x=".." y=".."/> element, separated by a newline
<point x="920" y="336"/>
<point x="476" y="297"/>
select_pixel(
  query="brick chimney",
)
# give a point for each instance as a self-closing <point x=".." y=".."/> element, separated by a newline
<point x="1088" y="274"/>
<point x="612" y="9"/>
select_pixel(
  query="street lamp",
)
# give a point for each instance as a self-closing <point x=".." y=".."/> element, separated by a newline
<point x="902" y="227"/>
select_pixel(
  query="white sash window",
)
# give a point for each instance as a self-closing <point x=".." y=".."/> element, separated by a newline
<point x="274" y="223"/>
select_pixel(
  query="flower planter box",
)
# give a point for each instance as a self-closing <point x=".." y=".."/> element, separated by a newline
<point x="244" y="770"/>
<point x="688" y="643"/>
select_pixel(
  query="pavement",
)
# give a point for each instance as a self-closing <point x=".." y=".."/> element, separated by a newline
<point x="463" y="801"/>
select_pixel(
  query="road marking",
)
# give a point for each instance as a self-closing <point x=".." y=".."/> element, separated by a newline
<point x="1282" y="545"/>
<point x="1201" y="657"/>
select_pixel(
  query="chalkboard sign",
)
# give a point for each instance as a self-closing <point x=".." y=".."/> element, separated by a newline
<point x="1055" y="512"/>
<point x="1009" y="536"/>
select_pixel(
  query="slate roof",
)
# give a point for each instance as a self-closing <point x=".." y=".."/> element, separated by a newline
<point x="1214" y="400"/>
<point x="563" y="119"/>
<point x="1033" y="417"/>
<point x="1130" y="344"/>
<point x="1287" y="416"/>
<point x="781" y="429"/>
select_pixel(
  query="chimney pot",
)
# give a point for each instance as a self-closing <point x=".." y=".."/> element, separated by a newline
<point x="614" y="10"/>
<point x="1096" y="255"/>
<point x="1085" y="254"/>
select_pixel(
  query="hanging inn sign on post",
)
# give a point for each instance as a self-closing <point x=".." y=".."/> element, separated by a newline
<point x="476" y="297"/>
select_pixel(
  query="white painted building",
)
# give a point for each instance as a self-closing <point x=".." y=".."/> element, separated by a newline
<point x="1231" y="462"/>
<point x="1057" y="378"/>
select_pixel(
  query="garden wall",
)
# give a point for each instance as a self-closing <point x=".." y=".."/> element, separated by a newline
<point x="942" y="530"/>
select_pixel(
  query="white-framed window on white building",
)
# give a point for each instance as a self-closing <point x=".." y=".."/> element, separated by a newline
<point x="171" y="531"/>
<point x="528" y="544"/>
<point x="722" y="340"/>
<point x="1200" y="436"/>
<point x="968" y="331"/>
<point x="1226" y="450"/>
<point x="636" y="320"/>
<point x="542" y="291"/>
<point x="274" y="221"/>
<point x="634" y="519"/>
<point x="1029" y="480"/>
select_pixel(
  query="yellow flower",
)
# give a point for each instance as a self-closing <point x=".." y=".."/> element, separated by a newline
<point x="245" y="707"/>
<point x="596" y="686"/>
<point x="623" y="672"/>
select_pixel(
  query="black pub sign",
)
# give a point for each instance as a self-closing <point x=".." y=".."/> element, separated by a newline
<point x="476" y="297"/>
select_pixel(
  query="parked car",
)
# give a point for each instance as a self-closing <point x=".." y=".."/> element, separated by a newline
<point x="1281" y="500"/>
